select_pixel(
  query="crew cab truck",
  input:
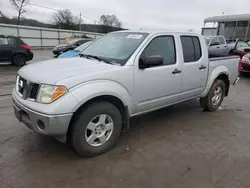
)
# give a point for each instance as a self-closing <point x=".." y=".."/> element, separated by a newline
<point x="88" y="100"/>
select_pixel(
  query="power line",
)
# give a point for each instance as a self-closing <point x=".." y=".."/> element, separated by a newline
<point x="49" y="8"/>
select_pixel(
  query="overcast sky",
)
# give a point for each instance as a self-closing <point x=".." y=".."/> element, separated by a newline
<point x="134" y="14"/>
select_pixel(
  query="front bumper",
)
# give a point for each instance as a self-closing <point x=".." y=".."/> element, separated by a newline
<point x="53" y="125"/>
<point x="243" y="67"/>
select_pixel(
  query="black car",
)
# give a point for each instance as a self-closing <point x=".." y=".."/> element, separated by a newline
<point x="68" y="46"/>
<point x="13" y="49"/>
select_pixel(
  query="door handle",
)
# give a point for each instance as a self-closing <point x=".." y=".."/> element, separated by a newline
<point x="202" y="67"/>
<point x="218" y="47"/>
<point x="176" y="71"/>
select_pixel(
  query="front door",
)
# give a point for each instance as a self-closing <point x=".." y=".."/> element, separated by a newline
<point x="157" y="86"/>
<point x="194" y="68"/>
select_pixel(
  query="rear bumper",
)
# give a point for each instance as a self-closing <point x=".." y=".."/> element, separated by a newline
<point x="53" y="125"/>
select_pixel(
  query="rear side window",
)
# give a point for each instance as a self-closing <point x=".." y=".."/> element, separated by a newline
<point x="6" y="41"/>
<point x="221" y="40"/>
<point x="11" y="41"/>
<point x="3" y="41"/>
<point x="191" y="48"/>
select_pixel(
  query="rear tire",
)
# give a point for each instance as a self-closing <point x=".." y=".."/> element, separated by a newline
<point x="92" y="132"/>
<point x="214" y="97"/>
<point x="19" y="60"/>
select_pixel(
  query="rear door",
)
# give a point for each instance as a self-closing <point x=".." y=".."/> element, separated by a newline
<point x="214" y="48"/>
<point x="7" y="45"/>
<point x="194" y="68"/>
<point x="223" y="48"/>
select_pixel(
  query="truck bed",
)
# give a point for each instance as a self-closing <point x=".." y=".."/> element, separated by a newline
<point x="230" y="62"/>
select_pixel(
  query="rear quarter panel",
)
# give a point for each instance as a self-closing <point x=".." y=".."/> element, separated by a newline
<point x="222" y="65"/>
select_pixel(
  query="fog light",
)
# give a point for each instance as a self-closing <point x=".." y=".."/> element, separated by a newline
<point x="40" y="125"/>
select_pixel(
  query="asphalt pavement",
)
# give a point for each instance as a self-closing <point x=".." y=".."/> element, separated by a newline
<point x="177" y="147"/>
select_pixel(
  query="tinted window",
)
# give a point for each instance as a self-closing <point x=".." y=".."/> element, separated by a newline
<point x="197" y="48"/>
<point x="163" y="46"/>
<point x="11" y="41"/>
<point x="191" y="48"/>
<point x="221" y="40"/>
<point x="3" y="41"/>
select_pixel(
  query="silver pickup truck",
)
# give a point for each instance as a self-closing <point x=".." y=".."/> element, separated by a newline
<point x="218" y="46"/>
<point x="88" y="100"/>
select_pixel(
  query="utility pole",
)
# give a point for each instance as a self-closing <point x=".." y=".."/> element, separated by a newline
<point x="80" y="23"/>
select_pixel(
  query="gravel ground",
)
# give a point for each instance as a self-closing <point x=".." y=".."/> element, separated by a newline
<point x="180" y="147"/>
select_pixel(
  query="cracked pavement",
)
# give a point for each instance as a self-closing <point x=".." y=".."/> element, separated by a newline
<point x="177" y="147"/>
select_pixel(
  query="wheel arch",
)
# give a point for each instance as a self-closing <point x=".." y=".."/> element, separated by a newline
<point x="220" y="72"/>
<point x="118" y="103"/>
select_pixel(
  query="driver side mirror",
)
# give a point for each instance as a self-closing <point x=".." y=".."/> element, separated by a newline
<point x="151" y="61"/>
<point x="215" y="44"/>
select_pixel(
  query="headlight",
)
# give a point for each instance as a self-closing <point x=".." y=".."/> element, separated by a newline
<point x="49" y="93"/>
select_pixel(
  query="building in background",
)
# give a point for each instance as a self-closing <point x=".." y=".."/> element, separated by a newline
<point x="232" y="27"/>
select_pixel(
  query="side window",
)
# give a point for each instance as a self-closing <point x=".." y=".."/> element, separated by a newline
<point x="11" y="41"/>
<point x="163" y="46"/>
<point x="214" y="40"/>
<point x="242" y="45"/>
<point x="197" y="48"/>
<point x="191" y="48"/>
<point x="221" y="40"/>
<point x="3" y="41"/>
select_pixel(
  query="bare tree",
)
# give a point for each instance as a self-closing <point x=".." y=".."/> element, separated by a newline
<point x="19" y="5"/>
<point x="64" y="19"/>
<point x="110" y="20"/>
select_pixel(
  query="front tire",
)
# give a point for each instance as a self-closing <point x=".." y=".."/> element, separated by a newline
<point x="96" y="129"/>
<point x="214" y="97"/>
<point x="19" y="60"/>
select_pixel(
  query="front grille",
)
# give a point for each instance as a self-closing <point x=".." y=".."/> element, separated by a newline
<point x="34" y="91"/>
<point x="27" y="89"/>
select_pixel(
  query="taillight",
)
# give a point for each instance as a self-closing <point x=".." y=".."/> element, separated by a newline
<point x="245" y="59"/>
<point x="25" y="46"/>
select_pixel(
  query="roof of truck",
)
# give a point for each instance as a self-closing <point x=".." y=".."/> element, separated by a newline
<point x="152" y="32"/>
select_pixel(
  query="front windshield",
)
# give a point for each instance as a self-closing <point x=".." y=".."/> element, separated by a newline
<point x="83" y="46"/>
<point x="117" y="47"/>
<point x="207" y="40"/>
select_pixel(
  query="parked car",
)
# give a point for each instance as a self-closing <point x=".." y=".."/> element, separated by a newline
<point x="57" y="50"/>
<point x="88" y="100"/>
<point x="244" y="64"/>
<point x="76" y="51"/>
<point x="13" y="49"/>
<point x="218" y="47"/>
<point x="241" y="48"/>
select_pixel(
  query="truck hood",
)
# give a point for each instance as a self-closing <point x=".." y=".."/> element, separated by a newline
<point x="52" y="71"/>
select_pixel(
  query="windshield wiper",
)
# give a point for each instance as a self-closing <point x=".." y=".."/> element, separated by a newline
<point x="99" y="59"/>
